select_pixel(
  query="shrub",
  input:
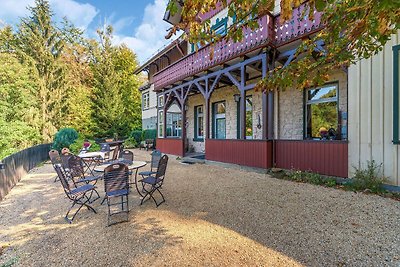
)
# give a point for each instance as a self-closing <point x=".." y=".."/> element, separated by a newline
<point x="150" y="134"/>
<point x="137" y="136"/>
<point x="78" y="144"/>
<point x="130" y="143"/>
<point x="64" y="138"/>
<point x="368" y="178"/>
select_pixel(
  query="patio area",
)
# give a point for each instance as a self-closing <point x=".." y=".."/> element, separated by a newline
<point x="213" y="216"/>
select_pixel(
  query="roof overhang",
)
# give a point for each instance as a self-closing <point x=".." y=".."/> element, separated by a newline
<point x="177" y="17"/>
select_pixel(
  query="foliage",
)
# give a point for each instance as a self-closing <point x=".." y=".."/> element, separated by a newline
<point x="137" y="136"/>
<point x="309" y="177"/>
<point x="76" y="146"/>
<point x="369" y="178"/>
<point x="53" y="77"/>
<point x="130" y="143"/>
<point x="64" y="138"/>
<point x="150" y="134"/>
<point x="354" y="29"/>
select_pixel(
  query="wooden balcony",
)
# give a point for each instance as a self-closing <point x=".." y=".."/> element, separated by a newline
<point x="270" y="32"/>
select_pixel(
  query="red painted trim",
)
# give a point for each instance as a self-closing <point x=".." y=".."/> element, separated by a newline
<point x="173" y="146"/>
<point x="328" y="158"/>
<point x="252" y="153"/>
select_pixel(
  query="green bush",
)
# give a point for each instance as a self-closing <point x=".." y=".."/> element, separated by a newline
<point x="130" y="143"/>
<point x="78" y="144"/>
<point x="137" y="136"/>
<point x="64" y="138"/>
<point x="150" y="134"/>
<point x="369" y="178"/>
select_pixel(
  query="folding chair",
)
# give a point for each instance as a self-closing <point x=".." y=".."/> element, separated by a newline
<point x="78" y="195"/>
<point x="155" y="181"/>
<point x="76" y="169"/>
<point x="55" y="158"/>
<point x="105" y="148"/>
<point x="126" y="155"/>
<point x="155" y="158"/>
<point x="116" y="184"/>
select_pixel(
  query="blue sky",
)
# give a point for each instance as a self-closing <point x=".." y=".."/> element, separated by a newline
<point x="137" y="23"/>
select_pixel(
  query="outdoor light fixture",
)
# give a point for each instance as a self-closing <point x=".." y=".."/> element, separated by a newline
<point x="236" y="97"/>
<point x="259" y="122"/>
<point x="2" y="166"/>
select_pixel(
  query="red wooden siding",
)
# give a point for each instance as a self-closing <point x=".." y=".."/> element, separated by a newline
<point x="252" y="153"/>
<point x="173" y="146"/>
<point x="329" y="158"/>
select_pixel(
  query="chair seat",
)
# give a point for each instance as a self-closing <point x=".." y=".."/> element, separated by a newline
<point x="82" y="189"/>
<point x="118" y="193"/>
<point x="151" y="180"/>
<point x="147" y="173"/>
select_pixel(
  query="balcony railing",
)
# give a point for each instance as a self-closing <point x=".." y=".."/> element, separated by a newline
<point x="270" y="32"/>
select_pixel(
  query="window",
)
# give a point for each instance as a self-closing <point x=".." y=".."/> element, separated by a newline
<point x="174" y="124"/>
<point x="396" y="95"/>
<point x="198" y="123"/>
<point x="219" y="122"/>
<point x="249" y="117"/>
<point x="160" y="101"/>
<point x="160" y="124"/>
<point x="220" y="28"/>
<point x="145" y="100"/>
<point x="321" y="112"/>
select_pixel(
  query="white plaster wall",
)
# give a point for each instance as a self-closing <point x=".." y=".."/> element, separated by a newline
<point x="152" y="110"/>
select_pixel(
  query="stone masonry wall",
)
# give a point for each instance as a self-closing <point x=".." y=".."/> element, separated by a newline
<point x="291" y="108"/>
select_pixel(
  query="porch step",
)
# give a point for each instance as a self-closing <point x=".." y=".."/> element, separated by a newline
<point x="190" y="160"/>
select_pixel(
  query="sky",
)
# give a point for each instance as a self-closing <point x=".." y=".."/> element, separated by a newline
<point x="137" y="23"/>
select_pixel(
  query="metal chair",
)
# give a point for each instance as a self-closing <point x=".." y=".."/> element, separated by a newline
<point x="76" y="169"/>
<point x="55" y="158"/>
<point x="155" y="181"/>
<point x="155" y="158"/>
<point x="105" y="148"/>
<point x="77" y="194"/>
<point x="116" y="185"/>
<point x="126" y="155"/>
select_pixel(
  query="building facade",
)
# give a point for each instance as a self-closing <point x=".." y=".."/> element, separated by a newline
<point x="208" y="104"/>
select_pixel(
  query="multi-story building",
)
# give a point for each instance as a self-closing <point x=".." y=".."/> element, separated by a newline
<point x="207" y="104"/>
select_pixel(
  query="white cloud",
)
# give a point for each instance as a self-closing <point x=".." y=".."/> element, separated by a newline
<point x="79" y="14"/>
<point x="148" y="37"/>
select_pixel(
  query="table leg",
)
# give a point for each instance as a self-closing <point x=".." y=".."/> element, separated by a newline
<point x="136" y="182"/>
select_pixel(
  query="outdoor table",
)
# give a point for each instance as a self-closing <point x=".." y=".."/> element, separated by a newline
<point x="93" y="158"/>
<point x="135" y="165"/>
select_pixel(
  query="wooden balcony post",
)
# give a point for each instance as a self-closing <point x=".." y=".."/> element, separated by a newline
<point x="265" y="125"/>
<point x="242" y="106"/>
<point x="183" y="113"/>
<point x="207" y="112"/>
<point x="164" y="130"/>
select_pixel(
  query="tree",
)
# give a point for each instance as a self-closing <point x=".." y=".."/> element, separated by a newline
<point x="355" y="29"/>
<point x="39" y="40"/>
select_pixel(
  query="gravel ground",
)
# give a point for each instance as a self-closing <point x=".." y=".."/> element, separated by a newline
<point x="213" y="216"/>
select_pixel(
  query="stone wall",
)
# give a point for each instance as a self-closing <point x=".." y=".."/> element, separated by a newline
<point x="291" y="108"/>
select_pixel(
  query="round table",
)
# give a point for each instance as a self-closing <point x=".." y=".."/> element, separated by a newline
<point x="135" y="165"/>
<point x="92" y="158"/>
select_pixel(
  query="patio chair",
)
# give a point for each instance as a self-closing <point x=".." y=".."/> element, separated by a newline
<point x="155" y="158"/>
<point x="106" y="149"/>
<point x="77" y="194"/>
<point x="76" y="170"/>
<point x="155" y="181"/>
<point x="126" y="155"/>
<point x="116" y="185"/>
<point x="55" y="159"/>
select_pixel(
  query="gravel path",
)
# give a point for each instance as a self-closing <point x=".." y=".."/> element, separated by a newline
<point x="213" y="216"/>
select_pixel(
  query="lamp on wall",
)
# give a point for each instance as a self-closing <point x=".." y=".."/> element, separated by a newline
<point x="236" y="97"/>
<point x="2" y="166"/>
<point x="259" y="122"/>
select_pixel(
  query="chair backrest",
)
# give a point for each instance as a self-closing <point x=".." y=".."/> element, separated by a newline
<point x="126" y="155"/>
<point x="64" y="160"/>
<point x="162" y="167"/>
<point x="155" y="158"/>
<point x="63" y="177"/>
<point x="54" y="157"/>
<point x="76" y="166"/>
<point x="116" y="177"/>
<point x="105" y="148"/>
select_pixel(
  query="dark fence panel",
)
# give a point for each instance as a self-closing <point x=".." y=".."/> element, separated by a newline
<point x="19" y="164"/>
